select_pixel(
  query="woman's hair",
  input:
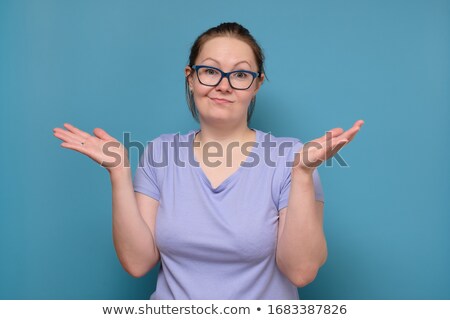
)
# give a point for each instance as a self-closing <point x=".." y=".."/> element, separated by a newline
<point x="228" y="29"/>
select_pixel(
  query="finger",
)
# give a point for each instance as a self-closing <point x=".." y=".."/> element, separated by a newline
<point x="350" y="133"/>
<point x="330" y="134"/>
<point x="67" y="137"/>
<point x="336" y="132"/>
<point x="73" y="146"/>
<point x="339" y="143"/>
<point x="102" y="134"/>
<point x="335" y="146"/>
<point x="78" y="147"/>
<point x="350" y="138"/>
<point x="77" y="131"/>
<point x="359" y="123"/>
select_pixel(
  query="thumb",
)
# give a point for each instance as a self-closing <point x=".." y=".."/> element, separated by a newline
<point x="102" y="134"/>
<point x="335" y="132"/>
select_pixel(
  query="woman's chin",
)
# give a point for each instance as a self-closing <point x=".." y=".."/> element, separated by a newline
<point x="216" y="111"/>
<point x="216" y="117"/>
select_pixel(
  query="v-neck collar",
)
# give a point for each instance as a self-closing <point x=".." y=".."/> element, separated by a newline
<point x="231" y="177"/>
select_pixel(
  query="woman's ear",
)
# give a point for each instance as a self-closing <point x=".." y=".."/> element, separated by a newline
<point x="260" y="82"/>
<point x="188" y="72"/>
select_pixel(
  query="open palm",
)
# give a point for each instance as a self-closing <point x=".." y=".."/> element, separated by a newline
<point x="100" y="147"/>
<point x="317" y="151"/>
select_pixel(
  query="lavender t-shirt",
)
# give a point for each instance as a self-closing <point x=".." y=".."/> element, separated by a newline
<point x="219" y="243"/>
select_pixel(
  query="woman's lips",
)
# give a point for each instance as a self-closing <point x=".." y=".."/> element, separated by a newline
<point x="221" y="101"/>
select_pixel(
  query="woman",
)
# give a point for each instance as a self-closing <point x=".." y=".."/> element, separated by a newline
<point x="248" y="225"/>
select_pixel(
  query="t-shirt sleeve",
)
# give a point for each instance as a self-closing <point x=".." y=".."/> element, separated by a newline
<point x="286" y="180"/>
<point x="146" y="178"/>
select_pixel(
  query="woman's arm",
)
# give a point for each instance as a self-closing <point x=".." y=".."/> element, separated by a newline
<point x="133" y="221"/>
<point x="301" y="248"/>
<point x="133" y="214"/>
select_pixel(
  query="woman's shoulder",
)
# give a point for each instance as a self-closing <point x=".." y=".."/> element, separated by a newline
<point x="173" y="137"/>
<point x="272" y="140"/>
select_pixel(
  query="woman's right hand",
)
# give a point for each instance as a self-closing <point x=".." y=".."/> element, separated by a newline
<point x="100" y="147"/>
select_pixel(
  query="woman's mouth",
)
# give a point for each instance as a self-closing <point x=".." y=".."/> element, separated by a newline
<point x="221" y="101"/>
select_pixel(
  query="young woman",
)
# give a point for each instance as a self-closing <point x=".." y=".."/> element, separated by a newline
<point x="231" y="212"/>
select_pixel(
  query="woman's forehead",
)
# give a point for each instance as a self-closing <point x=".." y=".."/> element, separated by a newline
<point x="226" y="51"/>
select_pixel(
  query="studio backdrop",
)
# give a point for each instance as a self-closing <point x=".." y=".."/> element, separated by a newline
<point x="119" y="65"/>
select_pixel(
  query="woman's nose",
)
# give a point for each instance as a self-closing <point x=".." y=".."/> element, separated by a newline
<point x="224" y="85"/>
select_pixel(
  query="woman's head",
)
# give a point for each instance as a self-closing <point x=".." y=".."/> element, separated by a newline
<point x="227" y="47"/>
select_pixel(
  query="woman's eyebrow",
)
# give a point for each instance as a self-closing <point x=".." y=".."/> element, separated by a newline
<point x="214" y="60"/>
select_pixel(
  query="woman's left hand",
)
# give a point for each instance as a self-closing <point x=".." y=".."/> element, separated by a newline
<point x="317" y="151"/>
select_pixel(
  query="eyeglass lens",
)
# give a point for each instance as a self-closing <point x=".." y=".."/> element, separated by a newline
<point x="212" y="77"/>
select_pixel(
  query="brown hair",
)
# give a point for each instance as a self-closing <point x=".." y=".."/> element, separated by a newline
<point x="228" y="29"/>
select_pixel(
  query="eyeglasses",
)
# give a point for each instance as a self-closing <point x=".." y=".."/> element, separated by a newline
<point x="211" y="76"/>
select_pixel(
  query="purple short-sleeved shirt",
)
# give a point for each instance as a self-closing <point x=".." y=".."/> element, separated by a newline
<point x="219" y="243"/>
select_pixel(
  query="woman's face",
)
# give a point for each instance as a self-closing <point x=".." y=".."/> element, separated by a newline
<point x="222" y="102"/>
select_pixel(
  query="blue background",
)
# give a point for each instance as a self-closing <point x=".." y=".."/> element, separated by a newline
<point x="119" y="65"/>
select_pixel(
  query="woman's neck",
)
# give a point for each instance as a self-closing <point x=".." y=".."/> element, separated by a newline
<point x="225" y="136"/>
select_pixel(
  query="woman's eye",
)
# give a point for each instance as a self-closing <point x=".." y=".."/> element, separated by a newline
<point x="210" y="72"/>
<point x="240" y="75"/>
